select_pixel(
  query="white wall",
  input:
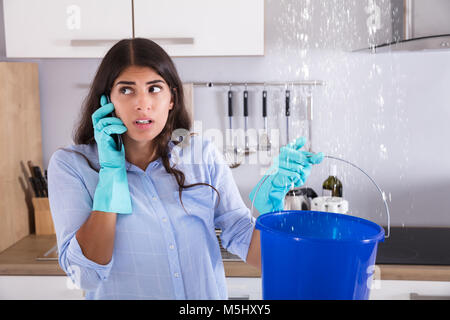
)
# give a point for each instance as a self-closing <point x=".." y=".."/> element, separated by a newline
<point x="387" y="113"/>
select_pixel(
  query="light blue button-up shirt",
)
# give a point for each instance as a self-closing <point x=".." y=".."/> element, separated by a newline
<point x="160" y="251"/>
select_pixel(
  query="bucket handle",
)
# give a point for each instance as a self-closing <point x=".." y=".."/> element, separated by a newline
<point x="383" y="195"/>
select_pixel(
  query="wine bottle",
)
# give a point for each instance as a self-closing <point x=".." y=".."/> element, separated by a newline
<point x="332" y="186"/>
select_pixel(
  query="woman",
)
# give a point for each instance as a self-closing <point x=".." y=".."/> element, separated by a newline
<point x="139" y="223"/>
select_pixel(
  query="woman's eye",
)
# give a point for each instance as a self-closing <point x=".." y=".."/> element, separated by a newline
<point x="155" y="89"/>
<point x="124" y="90"/>
<point x="128" y="90"/>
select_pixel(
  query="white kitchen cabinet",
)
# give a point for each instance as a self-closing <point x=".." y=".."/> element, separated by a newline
<point x="202" y="27"/>
<point x="39" y="288"/>
<point x="240" y="288"/>
<point x="87" y="29"/>
<point x="65" y="28"/>
<point x="407" y="290"/>
<point x="251" y="289"/>
<point x="62" y="288"/>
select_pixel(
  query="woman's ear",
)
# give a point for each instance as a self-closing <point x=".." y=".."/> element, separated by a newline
<point x="174" y="92"/>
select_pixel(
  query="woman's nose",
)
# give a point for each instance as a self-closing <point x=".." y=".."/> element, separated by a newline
<point x="144" y="102"/>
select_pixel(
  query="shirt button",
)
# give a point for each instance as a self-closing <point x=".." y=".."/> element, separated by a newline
<point x="176" y="275"/>
<point x="172" y="246"/>
<point x="164" y="219"/>
<point x="154" y="198"/>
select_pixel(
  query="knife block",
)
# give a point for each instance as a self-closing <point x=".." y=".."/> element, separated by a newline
<point x="42" y="216"/>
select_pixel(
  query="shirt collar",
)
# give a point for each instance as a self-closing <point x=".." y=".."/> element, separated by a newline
<point x="131" y="167"/>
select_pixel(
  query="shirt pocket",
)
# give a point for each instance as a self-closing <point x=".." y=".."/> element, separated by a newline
<point x="198" y="201"/>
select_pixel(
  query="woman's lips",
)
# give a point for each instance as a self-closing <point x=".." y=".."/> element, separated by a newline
<point x="143" y="126"/>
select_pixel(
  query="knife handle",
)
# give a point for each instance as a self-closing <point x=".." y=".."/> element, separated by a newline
<point x="39" y="188"/>
<point x="44" y="187"/>
<point x="245" y="103"/>
<point x="230" y="103"/>
<point x="264" y="103"/>
<point x="33" y="185"/>
<point x="42" y="184"/>
<point x="288" y="97"/>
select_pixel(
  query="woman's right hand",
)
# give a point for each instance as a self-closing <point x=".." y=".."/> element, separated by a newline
<point x="112" y="193"/>
<point x="104" y="127"/>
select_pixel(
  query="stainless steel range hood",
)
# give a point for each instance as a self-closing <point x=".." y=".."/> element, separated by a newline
<point x="417" y="25"/>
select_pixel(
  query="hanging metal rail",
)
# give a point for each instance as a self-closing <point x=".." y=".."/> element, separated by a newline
<point x="262" y="84"/>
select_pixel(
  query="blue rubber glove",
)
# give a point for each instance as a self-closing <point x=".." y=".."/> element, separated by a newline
<point x="290" y="169"/>
<point x="112" y="193"/>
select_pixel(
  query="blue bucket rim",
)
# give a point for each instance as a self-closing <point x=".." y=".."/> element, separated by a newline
<point x="378" y="237"/>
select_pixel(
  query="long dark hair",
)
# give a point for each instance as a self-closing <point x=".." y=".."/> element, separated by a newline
<point x="144" y="53"/>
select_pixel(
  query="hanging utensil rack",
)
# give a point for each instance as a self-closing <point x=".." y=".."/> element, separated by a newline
<point x="310" y="84"/>
<point x="267" y="84"/>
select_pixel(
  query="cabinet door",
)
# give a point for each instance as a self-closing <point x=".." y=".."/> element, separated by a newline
<point x="39" y="288"/>
<point x="244" y="288"/>
<point x="65" y="28"/>
<point x="202" y="27"/>
<point x="410" y="290"/>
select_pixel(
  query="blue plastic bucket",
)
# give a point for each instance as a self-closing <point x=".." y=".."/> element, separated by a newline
<point x="317" y="255"/>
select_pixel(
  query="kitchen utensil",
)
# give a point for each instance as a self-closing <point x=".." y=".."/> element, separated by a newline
<point x="264" y="139"/>
<point x="247" y="149"/>
<point x="233" y="154"/>
<point x="299" y="199"/>
<point x="42" y="181"/>
<point x="39" y="187"/>
<point x="230" y="114"/>
<point x="288" y="113"/>
<point x="310" y="117"/>
<point x="36" y="190"/>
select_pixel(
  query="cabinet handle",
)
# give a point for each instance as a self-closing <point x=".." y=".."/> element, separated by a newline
<point x="416" y="296"/>
<point x="243" y="297"/>
<point x="92" y="42"/>
<point x="173" y="40"/>
<point x="103" y="42"/>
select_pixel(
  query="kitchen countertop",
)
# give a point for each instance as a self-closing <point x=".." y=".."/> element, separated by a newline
<point x="20" y="259"/>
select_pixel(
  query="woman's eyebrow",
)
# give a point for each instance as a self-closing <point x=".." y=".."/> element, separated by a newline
<point x="134" y="83"/>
